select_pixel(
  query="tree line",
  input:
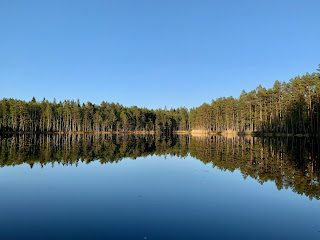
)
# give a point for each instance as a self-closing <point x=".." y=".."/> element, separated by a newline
<point x="71" y="116"/>
<point x="292" y="107"/>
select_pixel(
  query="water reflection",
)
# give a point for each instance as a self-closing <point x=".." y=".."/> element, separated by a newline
<point x="288" y="162"/>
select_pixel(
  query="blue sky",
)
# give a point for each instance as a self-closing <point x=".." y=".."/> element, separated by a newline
<point x="153" y="53"/>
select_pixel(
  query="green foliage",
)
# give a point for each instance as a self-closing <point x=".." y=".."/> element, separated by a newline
<point x="70" y="116"/>
<point x="291" y="107"/>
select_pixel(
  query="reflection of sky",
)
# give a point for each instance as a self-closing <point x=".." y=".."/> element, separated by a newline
<point x="150" y="197"/>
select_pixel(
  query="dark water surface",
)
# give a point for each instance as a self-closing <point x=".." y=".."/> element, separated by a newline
<point x="152" y="187"/>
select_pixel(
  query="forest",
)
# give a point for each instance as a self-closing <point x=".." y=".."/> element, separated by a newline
<point x="71" y="116"/>
<point x="291" y="107"/>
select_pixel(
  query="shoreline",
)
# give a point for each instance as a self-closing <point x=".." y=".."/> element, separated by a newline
<point x="194" y="133"/>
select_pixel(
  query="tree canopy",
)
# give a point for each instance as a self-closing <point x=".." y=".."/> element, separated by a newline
<point x="292" y="107"/>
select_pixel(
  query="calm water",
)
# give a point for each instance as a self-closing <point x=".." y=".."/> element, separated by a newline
<point x="147" y="187"/>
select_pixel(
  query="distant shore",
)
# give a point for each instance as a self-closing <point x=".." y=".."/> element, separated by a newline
<point x="195" y="133"/>
<point x="230" y="133"/>
<point x="93" y="132"/>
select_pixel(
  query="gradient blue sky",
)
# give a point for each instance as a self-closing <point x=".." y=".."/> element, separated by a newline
<point x="153" y="53"/>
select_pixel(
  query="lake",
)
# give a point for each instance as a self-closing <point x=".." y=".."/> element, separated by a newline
<point x="158" y="187"/>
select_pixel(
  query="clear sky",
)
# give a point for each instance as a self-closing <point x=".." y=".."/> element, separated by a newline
<point x="153" y="53"/>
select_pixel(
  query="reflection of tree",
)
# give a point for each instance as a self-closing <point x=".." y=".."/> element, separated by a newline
<point x="70" y="149"/>
<point x="289" y="163"/>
